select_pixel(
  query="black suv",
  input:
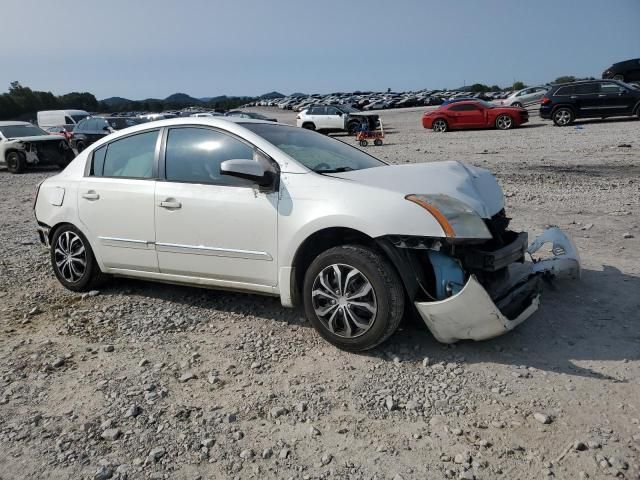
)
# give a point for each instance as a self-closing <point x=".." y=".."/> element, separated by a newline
<point x="589" y="99"/>
<point x="627" y="71"/>
<point x="92" y="129"/>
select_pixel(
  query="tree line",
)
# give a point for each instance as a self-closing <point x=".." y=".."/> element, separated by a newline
<point x="22" y="103"/>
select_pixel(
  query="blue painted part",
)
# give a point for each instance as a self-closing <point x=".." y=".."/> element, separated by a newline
<point x="449" y="275"/>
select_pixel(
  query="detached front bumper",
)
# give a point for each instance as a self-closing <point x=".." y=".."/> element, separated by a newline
<point x="472" y="314"/>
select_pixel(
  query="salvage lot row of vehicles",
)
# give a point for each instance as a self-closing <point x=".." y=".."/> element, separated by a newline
<point x="562" y="103"/>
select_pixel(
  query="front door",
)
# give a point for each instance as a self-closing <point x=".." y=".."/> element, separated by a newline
<point x="335" y="119"/>
<point x="616" y="99"/>
<point x="210" y="225"/>
<point x="116" y="202"/>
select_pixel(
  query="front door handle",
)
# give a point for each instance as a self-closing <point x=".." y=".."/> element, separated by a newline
<point x="90" y="195"/>
<point x="602" y="95"/>
<point x="171" y="204"/>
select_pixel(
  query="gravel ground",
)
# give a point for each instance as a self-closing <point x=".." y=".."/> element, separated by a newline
<point x="145" y="380"/>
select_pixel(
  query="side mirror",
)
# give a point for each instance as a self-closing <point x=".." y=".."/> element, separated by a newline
<point x="247" y="169"/>
<point x="106" y="129"/>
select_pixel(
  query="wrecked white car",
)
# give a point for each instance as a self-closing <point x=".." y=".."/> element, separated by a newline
<point x="273" y="209"/>
<point x="24" y="145"/>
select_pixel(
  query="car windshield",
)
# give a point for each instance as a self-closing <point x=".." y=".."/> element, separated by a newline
<point x="317" y="152"/>
<point x="485" y="104"/>
<point x="17" y="131"/>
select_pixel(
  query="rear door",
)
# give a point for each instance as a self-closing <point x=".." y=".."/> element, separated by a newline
<point x="587" y="100"/>
<point x="116" y="201"/>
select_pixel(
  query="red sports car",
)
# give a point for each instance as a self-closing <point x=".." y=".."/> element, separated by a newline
<point x="474" y="114"/>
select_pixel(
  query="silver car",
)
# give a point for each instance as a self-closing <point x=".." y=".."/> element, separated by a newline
<point x="525" y="97"/>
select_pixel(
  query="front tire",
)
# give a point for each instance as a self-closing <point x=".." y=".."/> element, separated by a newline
<point x="440" y="126"/>
<point x="563" y="117"/>
<point x="353" y="297"/>
<point x="309" y="126"/>
<point x="72" y="259"/>
<point x="16" y="162"/>
<point x="504" y="122"/>
<point x="80" y="146"/>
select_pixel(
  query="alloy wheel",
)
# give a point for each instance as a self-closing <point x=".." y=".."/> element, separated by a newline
<point x="439" y="126"/>
<point x="563" y="117"/>
<point x="504" y="122"/>
<point x="344" y="300"/>
<point x="70" y="256"/>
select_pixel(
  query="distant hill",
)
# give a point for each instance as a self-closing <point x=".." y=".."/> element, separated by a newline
<point x="115" y="100"/>
<point x="182" y="99"/>
<point x="271" y="95"/>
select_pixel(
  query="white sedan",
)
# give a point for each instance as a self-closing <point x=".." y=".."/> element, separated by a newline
<point x="274" y="209"/>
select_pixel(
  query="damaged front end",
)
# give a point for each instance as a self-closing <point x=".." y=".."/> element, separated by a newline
<point x="47" y="150"/>
<point x="479" y="290"/>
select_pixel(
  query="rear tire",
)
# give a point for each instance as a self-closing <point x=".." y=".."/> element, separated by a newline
<point x="16" y="162"/>
<point x="309" y="126"/>
<point x="363" y="143"/>
<point x="377" y="142"/>
<point x="368" y="305"/>
<point x="73" y="261"/>
<point x="563" y="117"/>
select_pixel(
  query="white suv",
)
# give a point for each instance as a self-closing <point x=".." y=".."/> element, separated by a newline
<point x="525" y="97"/>
<point x="332" y="118"/>
<point x="278" y="210"/>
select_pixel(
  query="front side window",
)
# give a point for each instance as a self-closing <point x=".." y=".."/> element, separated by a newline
<point x="610" y="88"/>
<point x="129" y="157"/>
<point x="194" y="155"/>
<point x="464" y="108"/>
<point x="587" y="88"/>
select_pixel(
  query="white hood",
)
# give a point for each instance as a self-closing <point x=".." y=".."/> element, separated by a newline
<point x="476" y="187"/>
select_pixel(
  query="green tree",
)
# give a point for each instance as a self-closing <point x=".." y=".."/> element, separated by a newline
<point x="565" y="79"/>
<point x="518" y="85"/>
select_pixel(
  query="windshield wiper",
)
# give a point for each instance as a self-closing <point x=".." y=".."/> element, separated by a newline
<point x="335" y="170"/>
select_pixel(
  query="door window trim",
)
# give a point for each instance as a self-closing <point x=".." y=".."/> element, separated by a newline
<point x="154" y="172"/>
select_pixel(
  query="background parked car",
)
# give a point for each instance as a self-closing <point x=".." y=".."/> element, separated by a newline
<point x="474" y="114"/>
<point x="23" y="145"/>
<point x="526" y="96"/>
<point x="627" y="71"/>
<point x="93" y="129"/>
<point x="55" y="118"/>
<point x="335" y="118"/>
<point x="589" y="99"/>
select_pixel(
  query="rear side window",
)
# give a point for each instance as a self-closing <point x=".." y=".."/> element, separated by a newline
<point x="194" y="155"/>
<point x="462" y="108"/>
<point x="587" y="88"/>
<point x="130" y="157"/>
<point x="564" y="91"/>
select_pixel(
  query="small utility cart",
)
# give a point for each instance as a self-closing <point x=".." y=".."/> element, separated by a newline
<point x="364" y="134"/>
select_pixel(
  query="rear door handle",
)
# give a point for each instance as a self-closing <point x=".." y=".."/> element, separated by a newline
<point x="90" y="195"/>
<point x="171" y="204"/>
<point x="602" y="95"/>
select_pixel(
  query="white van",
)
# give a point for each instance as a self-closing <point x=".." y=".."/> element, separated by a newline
<point x="58" y="118"/>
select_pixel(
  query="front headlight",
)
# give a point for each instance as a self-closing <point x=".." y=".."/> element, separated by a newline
<point x="456" y="218"/>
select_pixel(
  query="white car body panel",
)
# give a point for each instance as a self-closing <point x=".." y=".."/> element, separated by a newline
<point x="245" y="239"/>
<point x="214" y="230"/>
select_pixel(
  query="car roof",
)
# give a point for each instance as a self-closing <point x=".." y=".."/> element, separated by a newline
<point x="13" y="122"/>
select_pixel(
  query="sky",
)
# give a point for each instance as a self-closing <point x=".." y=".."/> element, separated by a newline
<point x="152" y="48"/>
